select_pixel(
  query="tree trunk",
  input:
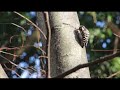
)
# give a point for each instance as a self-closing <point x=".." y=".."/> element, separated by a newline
<point x="42" y="25"/>
<point x="2" y="73"/>
<point x="66" y="52"/>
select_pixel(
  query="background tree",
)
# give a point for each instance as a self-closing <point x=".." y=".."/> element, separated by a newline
<point x="103" y="27"/>
<point x="16" y="32"/>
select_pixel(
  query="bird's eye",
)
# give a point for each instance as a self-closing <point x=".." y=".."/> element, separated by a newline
<point x="83" y="27"/>
<point x="80" y="27"/>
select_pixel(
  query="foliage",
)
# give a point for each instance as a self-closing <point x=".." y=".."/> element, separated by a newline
<point x="12" y="39"/>
<point x="18" y="38"/>
<point x="102" y="41"/>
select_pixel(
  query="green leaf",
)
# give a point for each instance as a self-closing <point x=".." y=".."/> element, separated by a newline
<point x="109" y="32"/>
<point x="109" y="18"/>
<point x="23" y="22"/>
<point x="97" y="32"/>
<point x="102" y="36"/>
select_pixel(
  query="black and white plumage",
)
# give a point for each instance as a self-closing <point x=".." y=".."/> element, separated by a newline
<point x="83" y="35"/>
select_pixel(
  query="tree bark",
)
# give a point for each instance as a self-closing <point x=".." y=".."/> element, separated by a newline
<point x="66" y="52"/>
<point x="42" y="26"/>
<point x="41" y="22"/>
<point x="2" y="73"/>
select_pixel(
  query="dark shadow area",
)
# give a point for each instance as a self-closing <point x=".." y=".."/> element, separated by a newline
<point x="78" y="38"/>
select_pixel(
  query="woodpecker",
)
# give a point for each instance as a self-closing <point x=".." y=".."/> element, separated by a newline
<point x="83" y="35"/>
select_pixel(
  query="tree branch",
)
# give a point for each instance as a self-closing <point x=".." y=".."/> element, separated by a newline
<point x="114" y="74"/>
<point x="99" y="60"/>
<point x="48" y="42"/>
<point x="31" y="23"/>
<point x="114" y="28"/>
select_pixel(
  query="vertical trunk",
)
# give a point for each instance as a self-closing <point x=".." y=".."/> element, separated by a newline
<point x="116" y="42"/>
<point x="2" y="73"/>
<point x="42" y="25"/>
<point x="66" y="52"/>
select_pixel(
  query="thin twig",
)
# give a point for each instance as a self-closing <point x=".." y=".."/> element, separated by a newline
<point x="48" y="42"/>
<point x="113" y="74"/>
<point x="42" y="57"/>
<point x="7" y="48"/>
<point x="11" y="70"/>
<point x="35" y="47"/>
<point x="16" y="26"/>
<point x="104" y="50"/>
<point x="9" y="53"/>
<point x="31" y="23"/>
<point x="23" y="47"/>
<point x="99" y="60"/>
<point x="42" y="63"/>
<point x="10" y="40"/>
<point x="11" y="62"/>
<point x="12" y="37"/>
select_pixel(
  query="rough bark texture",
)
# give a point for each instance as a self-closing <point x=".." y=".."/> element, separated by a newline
<point x="41" y="22"/>
<point x="42" y="25"/>
<point x="2" y="73"/>
<point x="66" y="52"/>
